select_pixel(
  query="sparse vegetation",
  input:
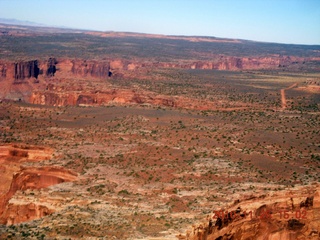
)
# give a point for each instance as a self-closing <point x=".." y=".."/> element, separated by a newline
<point x="142" y="167"/>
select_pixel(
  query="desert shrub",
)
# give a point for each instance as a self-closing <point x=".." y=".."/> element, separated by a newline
<point x="18" y="153"/>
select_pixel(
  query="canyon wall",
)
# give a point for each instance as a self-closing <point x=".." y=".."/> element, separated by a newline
<point x="245" y="63"/>
<point x="39" y="81"/>
<point x="31" y="178"/>
<point x="15" y="180"/>
<point x="19" y="71"/>
<point x="58" y="97"/>
<point x="90" y="68"/>
<point x="24" y="212"/>
<point x="288" y="215"/>
<point x="103" y="69"/>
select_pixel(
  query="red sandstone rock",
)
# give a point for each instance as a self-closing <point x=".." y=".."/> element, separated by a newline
<point x="32" y="178"/>
<point x="22" y="213"/>
<point x="275" y="217"/>
<point x="101" y="69"/>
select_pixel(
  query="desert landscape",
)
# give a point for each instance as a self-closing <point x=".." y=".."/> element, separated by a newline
<point x="114" y="135"/>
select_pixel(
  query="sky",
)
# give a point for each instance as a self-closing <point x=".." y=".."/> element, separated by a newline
<point x="282" y="21"/>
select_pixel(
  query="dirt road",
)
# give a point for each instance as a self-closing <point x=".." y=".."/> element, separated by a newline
<point x="283" y="95"/>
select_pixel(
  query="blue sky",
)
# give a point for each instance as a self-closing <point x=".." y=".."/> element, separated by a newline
<point x="284" y="21"/>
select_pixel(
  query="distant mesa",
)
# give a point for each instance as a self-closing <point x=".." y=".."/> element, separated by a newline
<point x="19" y="22"/>
<point x="104" y="69"/>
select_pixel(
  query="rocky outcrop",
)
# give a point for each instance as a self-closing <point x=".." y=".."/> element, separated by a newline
<point x="3" y="70"/>
<point x="17" y="213"/>
<point x="33" y="178"/>
<point x="51" y="67"/>
<point x="242" y="63"/>
<point x="17" y="86"/>
<point x="13" y="156"/>
<point x="25" y="179"/>
<point x="105" y="68"/>
<point x="40" y="177"/>
<point x="294" y="215"/>
<point x="63" y="96"/>
<point x="24" y="70"/>
<point x="114" y="96"/>
<point x="91" y="68"/>
<point x="27" y="69"/>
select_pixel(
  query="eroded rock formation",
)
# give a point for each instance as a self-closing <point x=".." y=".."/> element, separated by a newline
<point x="31" y="178"/>
<point x="21" y="81"/>
<point x="51" y="67"/>
<point x="296" y="215"/>
<point x="115" y="96"/>
<point x="15" y="213"/>
<point x="90" y="68"/>
<point x="241" y="63"/>
<point x="27" y="178"/>
<point x="18" y="71"/>
<point x="11" y="158"/>
<point x="103" y="69"/>
<point x="24" y="70"/>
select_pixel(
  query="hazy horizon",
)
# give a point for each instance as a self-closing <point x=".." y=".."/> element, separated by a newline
<point x="284" y="21"/>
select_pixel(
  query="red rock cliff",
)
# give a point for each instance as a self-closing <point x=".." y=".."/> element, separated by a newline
<point x="32" y="178"/>
<point x="102" y="69"/>
<point x="287" y="216"/>
<point x="27" y="69"/>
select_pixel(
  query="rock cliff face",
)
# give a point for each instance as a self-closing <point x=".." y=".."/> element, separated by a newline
<point x="42" y="177"/>
<point x="291" y="216"/>
<point x="24" y="70"/>
<point x="20" y="71"/>
<point x="51" y="67"/>
<point x="63" y="98"/>
<point x="3" y="70"/>
<point x="241" y="63"/>
<point x="15" y="213"/>
<point x="104" y="69"/>
<point x="60" y="97"/>
<point x="11" y="156"/>
<point x="89" y="68"/>
<point x="29" y="80"/>
<point x="31" y="178"/>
